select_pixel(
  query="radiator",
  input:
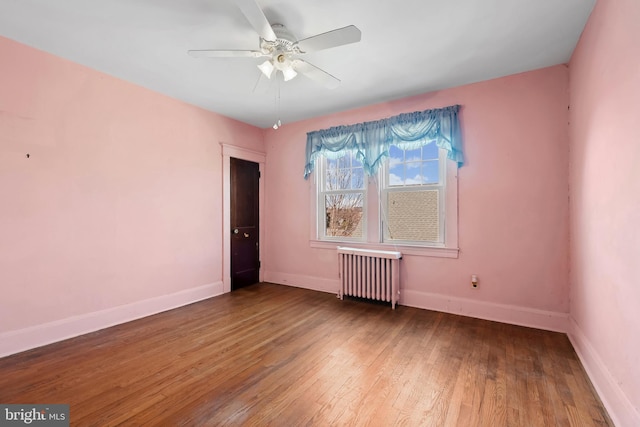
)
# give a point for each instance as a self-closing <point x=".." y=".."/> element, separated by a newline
<point x="369" y="274"/>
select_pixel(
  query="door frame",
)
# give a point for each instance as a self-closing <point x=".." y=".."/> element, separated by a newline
<point x="229" y="151"/>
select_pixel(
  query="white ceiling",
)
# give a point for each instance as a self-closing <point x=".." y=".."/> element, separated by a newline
<point x="408" y="47"/>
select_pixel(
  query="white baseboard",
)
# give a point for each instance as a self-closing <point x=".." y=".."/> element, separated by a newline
<point x="12" y="342"/>
<point x="300" y="281"/>
<point x="515" y="315"/>
<point x="512" y="314"/>
<point x="618" y="405"/>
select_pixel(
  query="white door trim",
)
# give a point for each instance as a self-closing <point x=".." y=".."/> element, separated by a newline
<point x="229" y="151"/>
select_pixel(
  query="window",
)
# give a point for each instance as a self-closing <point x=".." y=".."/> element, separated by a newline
<point x="412" y="196"/>
<point x="408" y="201"/>
<point x="342" y="199"/>
<point x="389" y="182"/>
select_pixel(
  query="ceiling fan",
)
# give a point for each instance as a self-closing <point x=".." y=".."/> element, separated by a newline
<point x="281" y="48"/>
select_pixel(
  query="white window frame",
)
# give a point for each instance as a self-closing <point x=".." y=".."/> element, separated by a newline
<point x="321" y="212"/>
<point x="374" y="234"/>
<point x="441" y="187"/>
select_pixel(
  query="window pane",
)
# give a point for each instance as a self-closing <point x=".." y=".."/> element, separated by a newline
<point x="413" y="174"/>
<point x="430" y="152"/>
<point x="330" y="175"/>
<point x="413" y="155"/>
<point x="344" y="161"/>
<point x="396" y="175"/>
<point x="413" y="215"/>
<point x="395" y="152"/>
<point x="413" y="167"/>
<point x="338" y="179"/>
<point x="344" y="173"/>
<point x="357" y="178"/>
<point x="430" y="172"/>
<point x="344" y="215"/>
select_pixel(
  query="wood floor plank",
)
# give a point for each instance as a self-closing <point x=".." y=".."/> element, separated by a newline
<point x="283" y="356"/>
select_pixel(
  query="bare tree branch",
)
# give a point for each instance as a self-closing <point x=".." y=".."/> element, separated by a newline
<point x="343" y="210"/>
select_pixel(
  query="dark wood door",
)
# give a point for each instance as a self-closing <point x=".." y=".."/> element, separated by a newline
<point x="245" y="261"/>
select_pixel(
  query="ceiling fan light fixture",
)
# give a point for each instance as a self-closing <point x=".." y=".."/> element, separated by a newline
<point x="289" y="73"/>
<point x="267" y="68"/>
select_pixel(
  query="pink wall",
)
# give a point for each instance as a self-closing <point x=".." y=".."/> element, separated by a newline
<point x="513" y="207"/>
<point x="605" y="204"/>
<point x="120" y="200"/>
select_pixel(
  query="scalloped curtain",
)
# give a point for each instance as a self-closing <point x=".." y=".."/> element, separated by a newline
<point x="371" y="140"/>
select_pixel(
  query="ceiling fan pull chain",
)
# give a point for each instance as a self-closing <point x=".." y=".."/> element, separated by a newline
<point x="277" y="124"/>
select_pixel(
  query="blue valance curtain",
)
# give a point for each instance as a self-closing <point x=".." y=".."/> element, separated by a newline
<point x="371" y="140"/>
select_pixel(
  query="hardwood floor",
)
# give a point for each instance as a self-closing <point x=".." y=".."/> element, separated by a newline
<point x="276" y="355"/>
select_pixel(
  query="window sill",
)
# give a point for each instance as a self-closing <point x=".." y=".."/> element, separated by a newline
<point x="437" y="252"/>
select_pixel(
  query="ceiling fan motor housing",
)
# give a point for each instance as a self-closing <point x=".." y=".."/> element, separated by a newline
<point x="284" y="44"/>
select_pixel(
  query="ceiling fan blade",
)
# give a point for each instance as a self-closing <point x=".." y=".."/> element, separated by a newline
<point x="334" y="38"/>
<point x="315" y="73"/>
<point x="217" y="53"/>
<point x="262" y="85"/>
<point x="256" y="18"/>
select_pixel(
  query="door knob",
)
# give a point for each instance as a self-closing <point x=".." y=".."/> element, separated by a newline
<point x="246" y="235"/>
<point x="236" y="231"/>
